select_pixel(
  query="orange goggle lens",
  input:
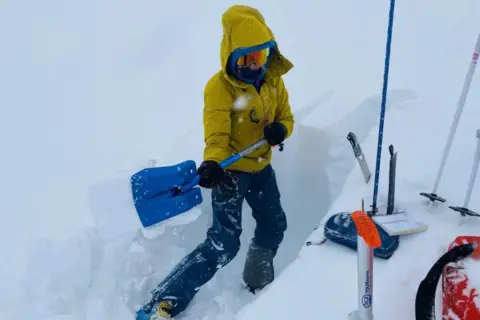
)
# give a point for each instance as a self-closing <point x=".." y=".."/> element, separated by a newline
<point x="259" y="57"/>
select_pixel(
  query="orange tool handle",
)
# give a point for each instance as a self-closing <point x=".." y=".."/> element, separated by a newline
<point x="366" y="228"/>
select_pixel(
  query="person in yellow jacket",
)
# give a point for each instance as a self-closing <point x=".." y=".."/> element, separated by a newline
<point x="244" y="102"/>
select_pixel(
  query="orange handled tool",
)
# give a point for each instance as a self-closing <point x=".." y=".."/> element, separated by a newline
<point x="368" y="239"/>
<point x="366" y="228"/>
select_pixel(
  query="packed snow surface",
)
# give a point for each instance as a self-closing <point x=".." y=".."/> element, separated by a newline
<point x="94" y="91"/>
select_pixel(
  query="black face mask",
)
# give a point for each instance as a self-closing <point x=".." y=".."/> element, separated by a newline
<point x="250" y="75"/>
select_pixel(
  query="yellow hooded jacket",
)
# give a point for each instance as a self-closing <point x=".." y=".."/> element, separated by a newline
<point x="235" y="113"/>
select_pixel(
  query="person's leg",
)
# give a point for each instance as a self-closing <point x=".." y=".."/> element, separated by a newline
<point x="263" y="197"/>
<point x="219" y="248"/>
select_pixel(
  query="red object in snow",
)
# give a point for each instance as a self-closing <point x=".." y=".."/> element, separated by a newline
<point x="458" y="295"/>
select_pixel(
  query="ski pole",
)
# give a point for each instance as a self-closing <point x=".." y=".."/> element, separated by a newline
<point x="384" y="101"/>
<point x="476" y="161"/>
<point x="456" y="119"/>
<point x="473" y="175"/>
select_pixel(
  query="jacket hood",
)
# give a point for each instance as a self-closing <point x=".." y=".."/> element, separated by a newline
<point x="244" y="27"/>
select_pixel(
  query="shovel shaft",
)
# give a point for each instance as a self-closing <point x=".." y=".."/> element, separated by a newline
<point x="231" y="160"/>
<point x="225" y="163"/>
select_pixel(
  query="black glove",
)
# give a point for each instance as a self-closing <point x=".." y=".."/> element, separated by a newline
<point x="211" y="174"/>
<point x="275" y="133"/>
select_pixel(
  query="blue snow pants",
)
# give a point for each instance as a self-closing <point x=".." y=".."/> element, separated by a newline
<point x="222" y="241"/>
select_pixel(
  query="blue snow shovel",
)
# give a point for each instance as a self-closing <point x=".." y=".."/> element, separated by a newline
<point x="164" y="192"/>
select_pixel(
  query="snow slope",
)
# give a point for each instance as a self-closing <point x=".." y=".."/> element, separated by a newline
<point x="322" y="280"/>
<point x="93" y="91"/>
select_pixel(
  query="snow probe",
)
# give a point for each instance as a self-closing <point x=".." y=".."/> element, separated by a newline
<point x="161" y="193"/>
<point x="433" y="196"/>
<point x="458" y="299"/>
<point x="368" y="238"/>
<point x="464" y="210"/>
<point x="383" y="106"/>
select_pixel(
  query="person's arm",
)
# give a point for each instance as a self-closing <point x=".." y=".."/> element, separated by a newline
<point x="218" y="104"/>
<point x="284" y="113"/>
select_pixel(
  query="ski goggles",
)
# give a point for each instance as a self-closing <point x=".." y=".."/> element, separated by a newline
<point x="260" y="57"/>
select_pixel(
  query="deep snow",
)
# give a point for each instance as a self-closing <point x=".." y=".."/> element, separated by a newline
<point x="94" y="91"/>
<point x="322" y="281"/>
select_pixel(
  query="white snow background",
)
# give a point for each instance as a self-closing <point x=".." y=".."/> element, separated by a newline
<point x="93" y="91"/>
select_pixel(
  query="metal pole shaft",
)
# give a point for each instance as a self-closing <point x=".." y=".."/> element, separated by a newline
<point x="473" y="175"/>
<point x="458" y="113"/>
<point x="383" y="105"/>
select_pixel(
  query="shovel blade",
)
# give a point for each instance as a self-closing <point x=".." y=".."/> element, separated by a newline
<point x="154" y="196"/>
<point x="161" y="181"/>
<point x="158" y="209"/>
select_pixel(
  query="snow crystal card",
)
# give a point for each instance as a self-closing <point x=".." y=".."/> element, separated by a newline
<point x="399" y="224"/>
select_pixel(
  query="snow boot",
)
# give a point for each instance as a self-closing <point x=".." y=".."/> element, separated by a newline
<point x="160" y="311"/>
<point x="258" y="270"/>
